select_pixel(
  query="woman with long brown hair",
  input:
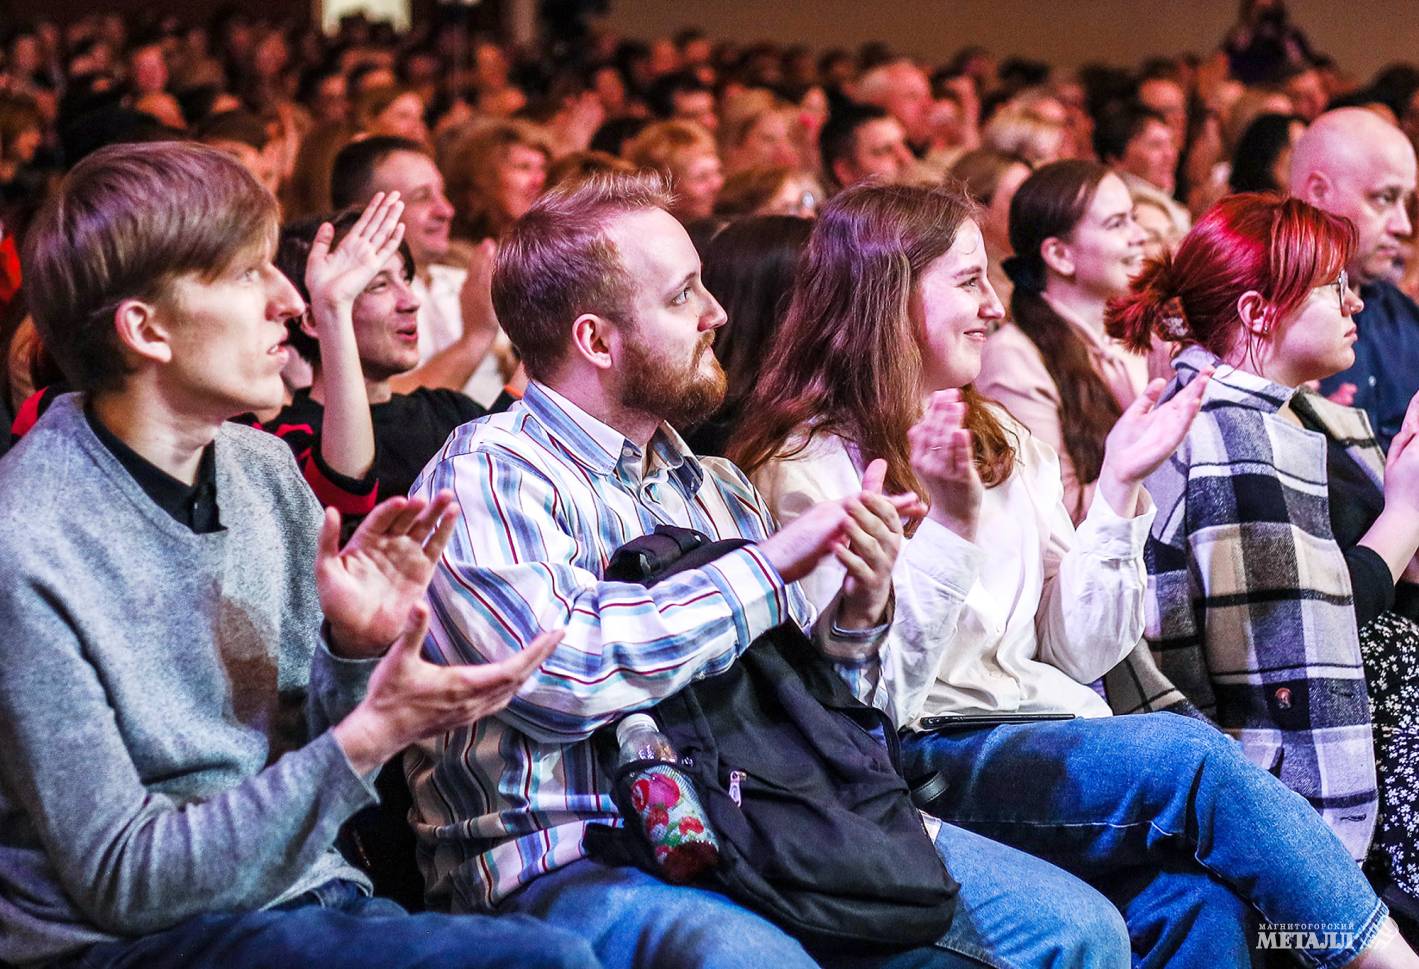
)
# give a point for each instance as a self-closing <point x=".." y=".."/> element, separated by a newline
<point x="1053" y="367"/>
<point x="875" y="360"/>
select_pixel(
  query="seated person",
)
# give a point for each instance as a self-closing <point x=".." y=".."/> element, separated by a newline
<point x="1160" y="813"/>
<point x="599" y="288"/>
<point x="458" y="332"/>
<point x="1052" y="366"/>
<point x="861" y="142"/>
<point x="357" y="440"/>
<point x="1354" y="164"/>
<point x="1284" y="529"/>
<point x="200" y="684"/>
<point x="1136" y="142"/>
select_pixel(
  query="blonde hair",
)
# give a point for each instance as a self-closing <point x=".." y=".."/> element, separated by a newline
<point x="666" y="147"/>
<point x="1016" y="132"/>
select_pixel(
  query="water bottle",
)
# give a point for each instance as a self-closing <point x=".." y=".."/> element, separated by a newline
<point x="665" y="801"/>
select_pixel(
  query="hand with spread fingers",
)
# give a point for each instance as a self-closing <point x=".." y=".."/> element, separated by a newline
<point x="410" y="698"/>
<point x="334" y="277"/>
<point x="368" y="588"/>
<point x="871" y="541"/>
<point x="1143" y="438"/>
<point x="797" y="548"/>
<point x="943" y="458"/>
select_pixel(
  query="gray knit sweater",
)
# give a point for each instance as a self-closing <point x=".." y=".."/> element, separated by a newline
<point x="157" y="691"/>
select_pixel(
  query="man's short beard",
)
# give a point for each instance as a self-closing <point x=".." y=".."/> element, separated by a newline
<point x="680" y="396"/>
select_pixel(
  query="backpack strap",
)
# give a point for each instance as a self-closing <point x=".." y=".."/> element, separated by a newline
<point x="667" y="550"/>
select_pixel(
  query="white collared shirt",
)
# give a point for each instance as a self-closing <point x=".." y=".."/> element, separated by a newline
<point x="1022" y="620"/>
<point x="441" y="326"/>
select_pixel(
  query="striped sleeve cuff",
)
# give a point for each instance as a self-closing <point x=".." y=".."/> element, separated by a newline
<point x="751" y="584"/>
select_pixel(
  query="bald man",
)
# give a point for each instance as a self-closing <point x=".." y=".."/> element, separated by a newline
<point x="1354" y="163"/>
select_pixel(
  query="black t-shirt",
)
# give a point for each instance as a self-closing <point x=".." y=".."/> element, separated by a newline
<point x="409" y="429"/>
<point x="1355" y="502"/>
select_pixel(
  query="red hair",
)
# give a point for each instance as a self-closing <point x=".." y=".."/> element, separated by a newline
<point x="1280" y="247"/>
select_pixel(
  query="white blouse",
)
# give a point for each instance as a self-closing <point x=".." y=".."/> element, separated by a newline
<point x="1024" y="619"/>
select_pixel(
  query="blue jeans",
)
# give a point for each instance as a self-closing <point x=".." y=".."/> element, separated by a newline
<point x="1115" y="798"/>
<point x="336" y="926"/>
<point x="1013" y="911"/>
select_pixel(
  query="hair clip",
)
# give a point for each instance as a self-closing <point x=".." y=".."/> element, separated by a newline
<point x="1174" y="326"/>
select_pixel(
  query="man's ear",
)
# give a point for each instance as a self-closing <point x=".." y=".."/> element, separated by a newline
<point x="1058" y="256"/>
<point x="1256" y="314"/>
<point x="592" y="340"/>
<point x="141" y="331"/>
<point x="1315" y="189"/>
<point x="308" y="325"/>
<point x="842" y="171"/>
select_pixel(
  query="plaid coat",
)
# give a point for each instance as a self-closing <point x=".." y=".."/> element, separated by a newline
<point x="1249" y="611"/>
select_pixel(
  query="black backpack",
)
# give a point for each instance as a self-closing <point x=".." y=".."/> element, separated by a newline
<point x="827" y="843"/>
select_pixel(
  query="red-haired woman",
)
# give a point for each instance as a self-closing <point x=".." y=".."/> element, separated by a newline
<point x="1282" y="528"/>
<point x="874" y="360"/>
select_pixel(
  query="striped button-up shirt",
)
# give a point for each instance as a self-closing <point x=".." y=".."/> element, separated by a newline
<point x="547" y="494"/>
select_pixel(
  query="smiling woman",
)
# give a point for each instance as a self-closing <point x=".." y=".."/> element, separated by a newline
<point x="1054" y="368"/>
<point x="1016" y="642"/>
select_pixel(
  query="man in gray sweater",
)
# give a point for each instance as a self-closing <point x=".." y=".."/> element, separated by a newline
<point x="181" y="736"/>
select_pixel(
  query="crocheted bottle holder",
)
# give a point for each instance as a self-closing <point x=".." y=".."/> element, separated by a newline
<point x="673" y="820"/>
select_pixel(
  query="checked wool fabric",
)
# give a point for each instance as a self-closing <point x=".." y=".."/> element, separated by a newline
<point x="1249" y="607"/>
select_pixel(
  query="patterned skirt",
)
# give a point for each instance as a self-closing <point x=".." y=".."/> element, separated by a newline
<point x="1389" y="645"/>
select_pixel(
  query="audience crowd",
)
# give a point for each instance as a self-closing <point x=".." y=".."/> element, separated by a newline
<point x="1054" y="430"/>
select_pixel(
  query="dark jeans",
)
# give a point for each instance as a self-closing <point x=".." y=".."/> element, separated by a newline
<point x="1124" y="801"/>
<point x="338" y="927"/>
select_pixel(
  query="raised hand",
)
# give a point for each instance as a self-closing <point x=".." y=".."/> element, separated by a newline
<point x="579" y="120"/>
<point x="943" y="458"/>
<point x="475" y="298"/>
<point x="368" y="588"/>
<point x="334" y="278"/>
<point x="1402" y="462"/>
<point x="410" y="698"/>
<point x="872" y="539"/>
<point x="796" y="549"/>
<point x="1144" y="437"/>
